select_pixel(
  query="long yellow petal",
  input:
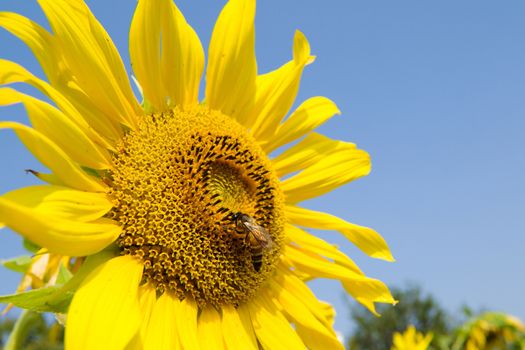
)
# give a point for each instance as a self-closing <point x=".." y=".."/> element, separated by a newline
<point x="232" y="69"/>
<point x="62" y="202"/>
<point x="182" y="60"/>
<point x="364" y="238"/>
<point x="161" y="330"/>
<point x="147" y="296"/>
<point x="49" y="154"/>
<point x="271" y="327"/>
<point x="307" y="152"/>
<point x="238" y="334"/>
<point x="144" y="49"/>
<point x="92" y="124"/>
<point x="92" y="57"/>
<point x="38" y="40"/>
<point x="333" y="171"/>
<point x="276" y="91"/>
<point x="314" y="333"/>
<point x="365" y="290"/>
<point x="319" y="246"/>
<point x="209" y="329"/>
<point x="62" y="236"/>
<point x="105" y="309"/>
<point x="58" y="128"/>
<point x="321" y="310"/>
<point x="307" y="117"/>
<point x="186" y="324"/>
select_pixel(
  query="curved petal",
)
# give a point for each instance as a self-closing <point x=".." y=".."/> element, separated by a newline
<point x="38" y="40"/>
<point x="319" y="246"/>
<point x="307" y="117"/>
<point x="330" y="172"/>
<point x="232" y="69"/>
<point x="58" y="128"/>
<point x="238" y="333"/>
<point x="186" y="324"/>
<point x="276" y="91"/>
<point x="144" y="50"/>
<point x="62" y="236"/>
<point x="307" y="152"/>
<point x="324" y="312"/>
<point x="364" y="238"/>
<point x="54" y="158"/>
<point x="271" y="327"/>
<point x="314" y="333"/>
<point x="105" y="309"/>
<point x="160" y="332"/>
<point x="365" y="290"/>
<point x="92" y="58"/>
<point x="209" y="329"/>
<point x="93" y="125"/>
<point x="62" y="202"/>
<point x="182" y="60"/>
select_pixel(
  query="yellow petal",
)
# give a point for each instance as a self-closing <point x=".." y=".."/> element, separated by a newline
<point x="161" y="330"/>
<point x="186" y="324"/>
<point x="314" y="333"/>
<point x="276" y="91"/>
<point x="209" y="329"/>
<point x="231" y="72"/>
<point x="307" y="117"/>
<point x="37" y="39"/>
<point x="364" y="238"/>
<point x="11" y="72"/>
<point x="271" y="327"/>
<point x="147" y="296"/>
<point x="61" y="202"/>
<point x="365" y="290"/>
<point x="49" y="154"/>
<point x="315" y="244"/>
<point x="332" y="171"/>
<point x="313" y="148"/>
<point x="92" y="57"/>
<point x="105" y="310"/>
<point x="144" y="49"/>
<point x="321" y="310"/>
<point x="58" y="128"/>
<point x="62" y="236"/>
<point x="238" y="332"/>
<point x="182" y="60"/>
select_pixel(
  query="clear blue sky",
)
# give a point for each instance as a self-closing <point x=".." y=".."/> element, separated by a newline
<point x="435" y="91"/>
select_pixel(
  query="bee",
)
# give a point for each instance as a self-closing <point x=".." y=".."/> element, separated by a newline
<point x="256" y="236"/>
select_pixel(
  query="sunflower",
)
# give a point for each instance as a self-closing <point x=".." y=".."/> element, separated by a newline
<point x="411" y="339"/>
<point x="189" y="235"/>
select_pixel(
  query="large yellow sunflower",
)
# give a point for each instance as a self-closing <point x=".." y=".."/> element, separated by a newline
<point x="188" y="234"/>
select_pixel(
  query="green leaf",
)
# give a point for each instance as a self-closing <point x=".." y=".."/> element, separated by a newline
<point x="64" y="275"/>
<point x="48" y="299"/>
<point x="21" y="330"/>
<point x="17" y="264"/>
<point x="30" y="246"/>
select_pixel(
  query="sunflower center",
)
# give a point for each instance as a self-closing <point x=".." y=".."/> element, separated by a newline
<point x="199" y="205"/>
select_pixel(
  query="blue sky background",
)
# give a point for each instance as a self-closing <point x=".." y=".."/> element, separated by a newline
<point x="434" y="90"/>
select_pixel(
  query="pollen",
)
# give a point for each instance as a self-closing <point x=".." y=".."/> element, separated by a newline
<point x="178" y="182"/>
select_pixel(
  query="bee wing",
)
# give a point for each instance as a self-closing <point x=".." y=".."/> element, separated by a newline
<point x="259" y="233"/>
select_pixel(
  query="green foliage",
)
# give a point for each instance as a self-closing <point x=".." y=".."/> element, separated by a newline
<point x="414" y="308"/>
<point x="52" y="299"/>
<point x="30" y="332"/>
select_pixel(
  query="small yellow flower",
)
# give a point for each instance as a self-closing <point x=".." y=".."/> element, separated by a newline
<point x="411" y="339"/>
<point x="192" y="233"/>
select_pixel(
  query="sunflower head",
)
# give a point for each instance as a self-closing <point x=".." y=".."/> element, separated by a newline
<point x="178" y="181"/>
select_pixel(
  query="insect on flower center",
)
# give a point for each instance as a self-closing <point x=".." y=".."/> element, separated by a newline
<point x="199" y="205"/>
